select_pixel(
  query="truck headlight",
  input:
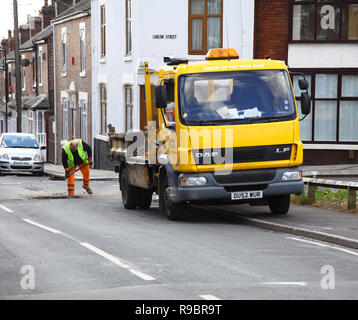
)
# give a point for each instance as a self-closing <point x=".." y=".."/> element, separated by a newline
<point x="4" y="156"/>
<point x="292" y="175"/>
<point x="193" y="181"/>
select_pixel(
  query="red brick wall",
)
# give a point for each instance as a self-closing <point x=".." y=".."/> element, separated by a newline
<point x="271" y="29"/>
<point x="83" y="83"/>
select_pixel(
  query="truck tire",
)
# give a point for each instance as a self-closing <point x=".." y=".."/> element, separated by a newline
<point x="279" y="205"/>
<point x="173" y="211"/>
<point x="130" y="194"/>
<point x="145" y="198"/>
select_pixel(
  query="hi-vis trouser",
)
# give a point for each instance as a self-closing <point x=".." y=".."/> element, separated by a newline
<point x="71" y="180"/>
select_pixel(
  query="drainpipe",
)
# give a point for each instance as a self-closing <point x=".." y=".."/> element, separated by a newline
<point x="54" y="84"/>
<point x="243" y="28"/>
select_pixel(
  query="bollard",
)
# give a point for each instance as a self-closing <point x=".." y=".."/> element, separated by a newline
<point x="311" y="193"/>
<point x="352" y="201"/>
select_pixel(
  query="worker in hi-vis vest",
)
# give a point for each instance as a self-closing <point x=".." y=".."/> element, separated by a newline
<point x="77" y="153"/>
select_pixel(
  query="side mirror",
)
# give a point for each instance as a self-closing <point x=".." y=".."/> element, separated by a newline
<point x="43" y="148"/>
<point x="305" y="103"/>
<point x="303" y="84"/>
<point x="161" y="96"/>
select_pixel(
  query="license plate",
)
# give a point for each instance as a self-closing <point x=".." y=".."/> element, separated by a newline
<point x="20" y="163"/>
<point x="247" y="195"/>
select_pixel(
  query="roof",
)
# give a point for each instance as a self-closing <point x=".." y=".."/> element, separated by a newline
<point x="82" y="6"/>
<point x="44" y="34"/>
<point x="37" y="102"/>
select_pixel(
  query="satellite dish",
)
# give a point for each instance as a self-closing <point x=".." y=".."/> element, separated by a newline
<point x="25" y="62"/>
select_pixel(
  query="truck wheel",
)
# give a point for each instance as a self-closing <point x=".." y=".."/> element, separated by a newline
<point x="173" y="211"/>
<point x="145" y="198"/>
<point x="129" y="193"/>
<point x="280" y="204"/>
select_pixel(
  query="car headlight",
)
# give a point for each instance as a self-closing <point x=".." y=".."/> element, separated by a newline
<point x="193" y="181"/>
<point x="292" y="175"/>
<point x="4" y="156"/>
<point x="38" y="157"/>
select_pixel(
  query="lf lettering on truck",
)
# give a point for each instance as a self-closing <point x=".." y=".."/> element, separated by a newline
<point x="220" y="130"/>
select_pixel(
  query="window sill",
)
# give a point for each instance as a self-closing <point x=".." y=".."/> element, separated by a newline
<point x="322" y="41"/>
<point x="83" y="74"/>
<point x="103" y="60"/>
<point x="127" y="58"/>
<point x="41" y="84"/>
<point x="64" y="74"/>
<point x="102" y="137"/>
<point x="330" y="146"/>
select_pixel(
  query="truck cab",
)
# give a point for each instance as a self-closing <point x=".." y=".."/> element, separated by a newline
<point x="225" y="130"/>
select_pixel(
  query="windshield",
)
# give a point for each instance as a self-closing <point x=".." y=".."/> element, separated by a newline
<point x="236" y="97"/>
<point x="19" y="142"/>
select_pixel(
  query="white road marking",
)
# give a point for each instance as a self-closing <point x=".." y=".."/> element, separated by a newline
<point x="116" y="261"/>
<point x="302" y="284"/>
<point x="6" y="209"/>
<point x="10" y="183"/>
<point x="142" y="275"/>
<point x="325" y="245"/>
<point x="42" y="226"/>
<point x="208" y="297"/>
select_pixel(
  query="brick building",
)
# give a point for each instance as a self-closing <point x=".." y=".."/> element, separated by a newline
<point x="320" y="40"/>
<point x="72" y="38"/>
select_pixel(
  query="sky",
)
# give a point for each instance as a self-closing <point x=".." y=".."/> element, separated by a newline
<point x="25" y="7"/>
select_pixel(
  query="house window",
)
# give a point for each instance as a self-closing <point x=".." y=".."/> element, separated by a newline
<point x="103" y="106"/>
<point x="84" y="120"/>
<point x="30" y="121"/>
<point x="74" y="123"/>
<point x="40" y="128"/>
<point x="317" y="20"/>
<point x="40" y="68"/>
<point x="205" y="25"/>
<point x="103" y="31"/>
<point x="83" y="48"/>
<point x="128" y="27"/>
<point x="64" y="52"/>
<point x="128" y="94"/>
<point x="64" y="119"/>
<point x="334" y="107"/>
<point x="23" y="79"/>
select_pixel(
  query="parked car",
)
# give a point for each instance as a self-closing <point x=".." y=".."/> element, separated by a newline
<point x="20" y="152"/>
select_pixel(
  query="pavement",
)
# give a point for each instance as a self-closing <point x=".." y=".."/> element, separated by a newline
<point x="56" y="172"/>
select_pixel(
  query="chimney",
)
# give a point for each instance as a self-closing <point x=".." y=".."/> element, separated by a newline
<point x="48" y="12"/>
<point x="35" y="25"/>
<point x="9" y="43"/>
<point x="63" y="5"/>
<point x="24" y="31"/>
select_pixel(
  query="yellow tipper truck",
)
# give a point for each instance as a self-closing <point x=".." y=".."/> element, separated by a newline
<point x="220" y="130"/>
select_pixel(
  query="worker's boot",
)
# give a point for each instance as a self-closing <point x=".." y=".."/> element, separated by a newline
<point x="88" y="190"/>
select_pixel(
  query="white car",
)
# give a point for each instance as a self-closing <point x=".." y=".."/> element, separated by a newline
<point x="20" y="152"/>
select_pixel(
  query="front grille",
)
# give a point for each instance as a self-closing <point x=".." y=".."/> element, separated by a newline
<point x="243" y="154"/>
<point x="247" y="176"/>
<point x="21" y="159"/>
<point x="21" y="167"/>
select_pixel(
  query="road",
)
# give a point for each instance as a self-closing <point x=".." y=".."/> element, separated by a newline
<point x="90" y="247"/>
